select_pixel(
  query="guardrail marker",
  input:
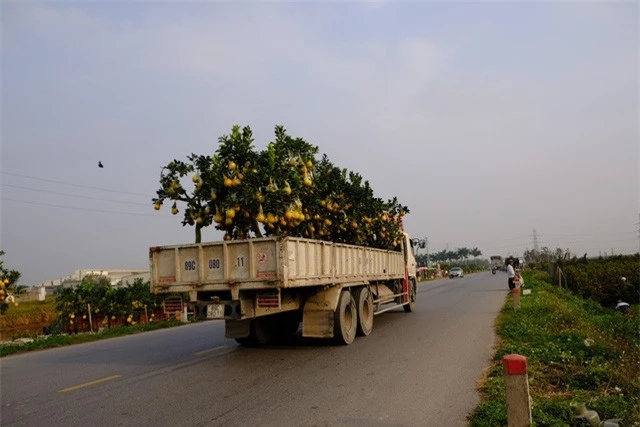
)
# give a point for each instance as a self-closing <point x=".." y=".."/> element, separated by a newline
<point x="516" y="385"/>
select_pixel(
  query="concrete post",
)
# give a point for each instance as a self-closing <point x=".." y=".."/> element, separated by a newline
<point x="516" y="385"/>
<point x="183" y="317"/>
<point x="90" y="322"/>
<point x="516" y="298"/>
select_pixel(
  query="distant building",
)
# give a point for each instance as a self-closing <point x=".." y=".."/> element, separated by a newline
<point x="115" y="277"/>
<point x="145" y="276"/>
<point x="34" y="293"/>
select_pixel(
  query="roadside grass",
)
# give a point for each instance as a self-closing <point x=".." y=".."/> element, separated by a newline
<point x="52" y="341"/>
<point x="577" y="352"/>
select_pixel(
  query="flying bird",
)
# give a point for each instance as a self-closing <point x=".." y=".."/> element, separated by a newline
<point x="100" y="164"/>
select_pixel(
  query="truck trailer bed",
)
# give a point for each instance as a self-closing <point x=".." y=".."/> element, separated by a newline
<point x="268" y="263"/>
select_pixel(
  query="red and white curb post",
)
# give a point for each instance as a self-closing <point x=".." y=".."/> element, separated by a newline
<point x="516" y="293"/>
<point x="516" y="385"/>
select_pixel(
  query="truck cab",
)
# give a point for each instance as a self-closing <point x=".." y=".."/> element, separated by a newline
<point x="410" y="258"/>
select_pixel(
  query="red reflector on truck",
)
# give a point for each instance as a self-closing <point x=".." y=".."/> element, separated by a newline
<point x="268" y="300"/>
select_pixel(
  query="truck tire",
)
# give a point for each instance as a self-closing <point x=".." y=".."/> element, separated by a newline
<point x="287" y="325"/>
<point x="262" y="332"/>
<point x="412" y="297"/>
<point x="364" y="303"/>
<point x="264" y="329"/>
<point x="246" y="341"/>
<point x="345" y="319"/>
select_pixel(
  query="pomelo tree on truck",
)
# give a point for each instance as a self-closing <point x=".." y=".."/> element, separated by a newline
<point x="280" y="191"/>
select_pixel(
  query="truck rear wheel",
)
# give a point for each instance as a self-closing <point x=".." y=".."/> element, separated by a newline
<point x="246" y="341"/>
<point x="287" y="325"/>
<point x="262" y="332"/>
<point x="345" y="319"/>
<point x="412" y="297"/>
<point x="364" y="302"/>
<point x="264" y="329"/>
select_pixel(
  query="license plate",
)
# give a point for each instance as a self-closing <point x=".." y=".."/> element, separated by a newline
<point x="215" y="311"/>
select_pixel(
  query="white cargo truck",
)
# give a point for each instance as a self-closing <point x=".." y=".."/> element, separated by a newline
<point x="264" y="287"/>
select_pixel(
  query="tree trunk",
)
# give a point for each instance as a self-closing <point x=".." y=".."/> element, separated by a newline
<point x="255" y="227"/>
<point x="198" y="233"/>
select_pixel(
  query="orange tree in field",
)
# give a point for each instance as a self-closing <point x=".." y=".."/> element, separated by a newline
<point x="280" y="191"/>
<point x="8" y="285"/>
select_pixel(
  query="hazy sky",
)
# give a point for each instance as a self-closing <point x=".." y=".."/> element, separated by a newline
<point x="489" y="120"/>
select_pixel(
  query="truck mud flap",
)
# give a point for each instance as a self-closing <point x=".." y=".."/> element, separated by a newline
<point x="317" y="324"/>
<point x="318" y="311"/>
<point x="237" y="328"/>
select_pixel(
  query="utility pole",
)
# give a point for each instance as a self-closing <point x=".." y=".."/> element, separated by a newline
<point x="426" y="242"/>
<point x="638" y="232"/>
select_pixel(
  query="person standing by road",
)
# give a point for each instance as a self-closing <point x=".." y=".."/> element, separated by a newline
<point x="511" y="274"/>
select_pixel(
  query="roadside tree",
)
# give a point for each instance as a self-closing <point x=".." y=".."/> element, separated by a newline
<point x="9" y="287"/>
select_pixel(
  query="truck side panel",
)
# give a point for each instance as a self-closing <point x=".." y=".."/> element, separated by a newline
<point x="306" y="261"/>
<point x="268" y="263"/>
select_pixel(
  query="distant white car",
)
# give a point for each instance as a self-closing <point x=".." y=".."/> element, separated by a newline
<point x="455" y="272"/>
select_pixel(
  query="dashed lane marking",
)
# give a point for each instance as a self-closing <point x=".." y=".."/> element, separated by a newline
<point x="209" y="350"/>
<point x="90" y="383"/>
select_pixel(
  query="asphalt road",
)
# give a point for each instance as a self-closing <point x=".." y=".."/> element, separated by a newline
<point x="415" y="369"/>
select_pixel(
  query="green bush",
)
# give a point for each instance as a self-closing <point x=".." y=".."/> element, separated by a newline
<point x="552" y="411"/>
<point x="601" y="279"/>
<point x="490" y="414"/>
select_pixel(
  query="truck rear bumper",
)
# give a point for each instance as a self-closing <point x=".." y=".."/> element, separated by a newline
<point x="218" y="310"/>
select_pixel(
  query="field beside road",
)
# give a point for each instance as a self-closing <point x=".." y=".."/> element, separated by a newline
<point x="578" y="352"/>
<point x="27" y="318"/>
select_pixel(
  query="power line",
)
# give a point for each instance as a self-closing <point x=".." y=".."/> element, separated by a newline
<point x="593" y="240"/>
<point x="521" y="245"/>
<point x="587" y="234"/>
<point x="562" y="243"/>
<point x="522" y="237"/>
<point x="72" y="184"/>
<point x="80" y="209"/>
<point x="75" y="195"/>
